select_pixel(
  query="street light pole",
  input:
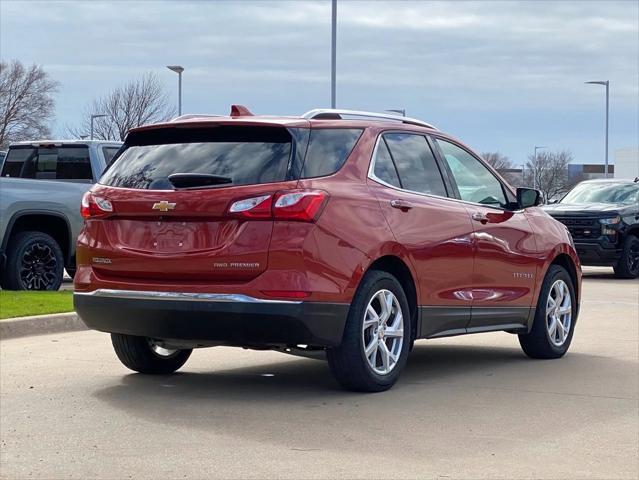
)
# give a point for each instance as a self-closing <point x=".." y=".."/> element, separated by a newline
<point x="178" y="69"/>
<point x="93" y="117"/>
<point x="606" y="83"/>
<point x="334" y="54"/>
<point x="535" y="166"/>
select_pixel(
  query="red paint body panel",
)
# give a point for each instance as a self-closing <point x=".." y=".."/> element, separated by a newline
<point x="197" y="247"/>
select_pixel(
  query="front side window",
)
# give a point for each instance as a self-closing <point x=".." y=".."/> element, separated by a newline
<point x="474" y="181"/>
<point x="415" y="163"/>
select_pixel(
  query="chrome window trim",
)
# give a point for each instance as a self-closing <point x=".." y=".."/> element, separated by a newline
<point x="371" y="175"/>
<point x="187" y="296"/>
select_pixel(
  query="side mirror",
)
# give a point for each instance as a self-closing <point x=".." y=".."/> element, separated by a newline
<point x="528" y="197"/>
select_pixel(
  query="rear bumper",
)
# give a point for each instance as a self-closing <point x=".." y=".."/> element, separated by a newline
<point x="596" y="255"/>
<point x="212" y="318"/>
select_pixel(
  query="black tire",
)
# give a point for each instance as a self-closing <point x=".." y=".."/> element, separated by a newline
<point x="537" y="343"/>
<point x="34" y="262"/>
<point x="348" y="362"/>
<point x="628" y="264"/>
<point x="136" y="354"/>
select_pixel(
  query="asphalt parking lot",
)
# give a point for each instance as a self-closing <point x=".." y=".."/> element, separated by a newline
<point x="466" y="407"/>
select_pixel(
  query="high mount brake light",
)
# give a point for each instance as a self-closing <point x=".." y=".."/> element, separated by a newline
<point x="93" y="206"/>
<point x="292" y="205"/>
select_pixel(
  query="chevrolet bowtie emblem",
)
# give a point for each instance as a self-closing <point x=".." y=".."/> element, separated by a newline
<point x="163" y="206"/>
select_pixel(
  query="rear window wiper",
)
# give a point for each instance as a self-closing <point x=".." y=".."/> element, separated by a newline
<point x="197" y="180"/>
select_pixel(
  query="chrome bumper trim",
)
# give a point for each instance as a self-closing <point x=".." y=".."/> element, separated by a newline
<point x="187" y="296"/>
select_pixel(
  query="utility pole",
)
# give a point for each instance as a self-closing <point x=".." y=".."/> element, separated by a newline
<point x="606" y="83"/>
<point x="334" y="54"/>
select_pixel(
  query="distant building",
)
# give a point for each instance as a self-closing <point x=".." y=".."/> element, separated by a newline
<point x="578" y="172"/>
<point x="627" y="162"/>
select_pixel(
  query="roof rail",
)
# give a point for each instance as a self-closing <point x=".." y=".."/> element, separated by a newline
<point x="337" y="113"/>
<point x="194" y="115"/>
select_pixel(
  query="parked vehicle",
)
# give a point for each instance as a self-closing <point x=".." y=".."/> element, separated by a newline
<point x="41" y="185"/>
<point x="603" y="219"/>
<point x="346" y="233"/>
<point x="2" y="155"/>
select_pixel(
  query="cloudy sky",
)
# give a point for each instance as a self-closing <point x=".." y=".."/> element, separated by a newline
<point x="501" y="75"/>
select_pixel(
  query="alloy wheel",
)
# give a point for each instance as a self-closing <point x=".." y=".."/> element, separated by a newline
<point x="633" y="258"/>
<point x="383" y="332"/>
<point x="558" y="313"/>
<point x="38" y="267"/>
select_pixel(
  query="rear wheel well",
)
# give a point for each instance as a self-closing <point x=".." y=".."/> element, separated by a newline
<point x="566" y="262"/>
<point x="52" y="225"/>
<point x="396" y="267"/>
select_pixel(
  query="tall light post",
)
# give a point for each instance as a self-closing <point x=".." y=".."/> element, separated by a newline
<point x="606" y="83"/>
<point x="334" y="54"/>
<point x="93" y="117"/>
<point x="178" y="69"/>
<point x="535" y="166"/>
<point x="401" y="111"/>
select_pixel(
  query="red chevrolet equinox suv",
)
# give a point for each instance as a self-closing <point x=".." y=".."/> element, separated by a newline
<point x="338" y="233"/>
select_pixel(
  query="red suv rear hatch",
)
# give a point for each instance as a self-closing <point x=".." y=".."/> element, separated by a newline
<point x="189" y="203"/>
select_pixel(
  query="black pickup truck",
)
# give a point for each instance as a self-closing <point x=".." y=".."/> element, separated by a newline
<point x="603" y="219"/>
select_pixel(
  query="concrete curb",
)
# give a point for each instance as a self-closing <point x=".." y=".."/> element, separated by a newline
<point x="40" y="325"/>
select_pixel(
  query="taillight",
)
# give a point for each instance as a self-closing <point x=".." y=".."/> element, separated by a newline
<point x="93" y="206"/>
<point x="254" y="207"/>
<point x="301" y="205"/>
<point x="293" y="205"/>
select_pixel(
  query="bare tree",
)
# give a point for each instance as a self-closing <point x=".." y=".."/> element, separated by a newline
<point x="503" y="165"/>
<point x="549" y="173"/>
<point x="26" y="102"/>
<point x="139" y="102"/>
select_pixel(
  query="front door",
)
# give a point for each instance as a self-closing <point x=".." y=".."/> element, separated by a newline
<point x="436" y="230"/>
<point x="503" y="279"/>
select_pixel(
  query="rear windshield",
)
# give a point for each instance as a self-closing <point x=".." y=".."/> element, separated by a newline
<point x="69" y="162"/>
<point x="246" y="155"/>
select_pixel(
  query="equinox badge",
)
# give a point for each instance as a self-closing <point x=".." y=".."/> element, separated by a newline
<point x="163" y="206"/>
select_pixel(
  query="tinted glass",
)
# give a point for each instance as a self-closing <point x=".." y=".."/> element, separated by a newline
<point x="247" y="155"/>
<point x="604" y="192"/>
<point x="49" y="163"/>
<point x="327" y="151"/>
<point x="109" y="153"/>
<point x="16" y="159"/>
<point x="384" y="167"/>
<point x="415" y="162"/>
<point x="475" y="182"/>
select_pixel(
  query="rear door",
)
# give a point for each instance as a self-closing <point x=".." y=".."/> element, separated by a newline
<point x="159" y="232"/>
<point x="503" y="279"/>
<point x="434" y="229"/>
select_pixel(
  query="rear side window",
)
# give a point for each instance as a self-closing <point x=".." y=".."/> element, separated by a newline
<point x="327" y="150"/>
<point x="247" y="155"/>
<point x="384" y="167"/>
<point x="109" y="153"/>
<point x="415" y="163"/>
<point x="49" y="163"/>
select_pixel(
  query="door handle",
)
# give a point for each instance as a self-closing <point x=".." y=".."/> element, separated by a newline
<point x="479" y="217"/>
<point x="401" y="205"/>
